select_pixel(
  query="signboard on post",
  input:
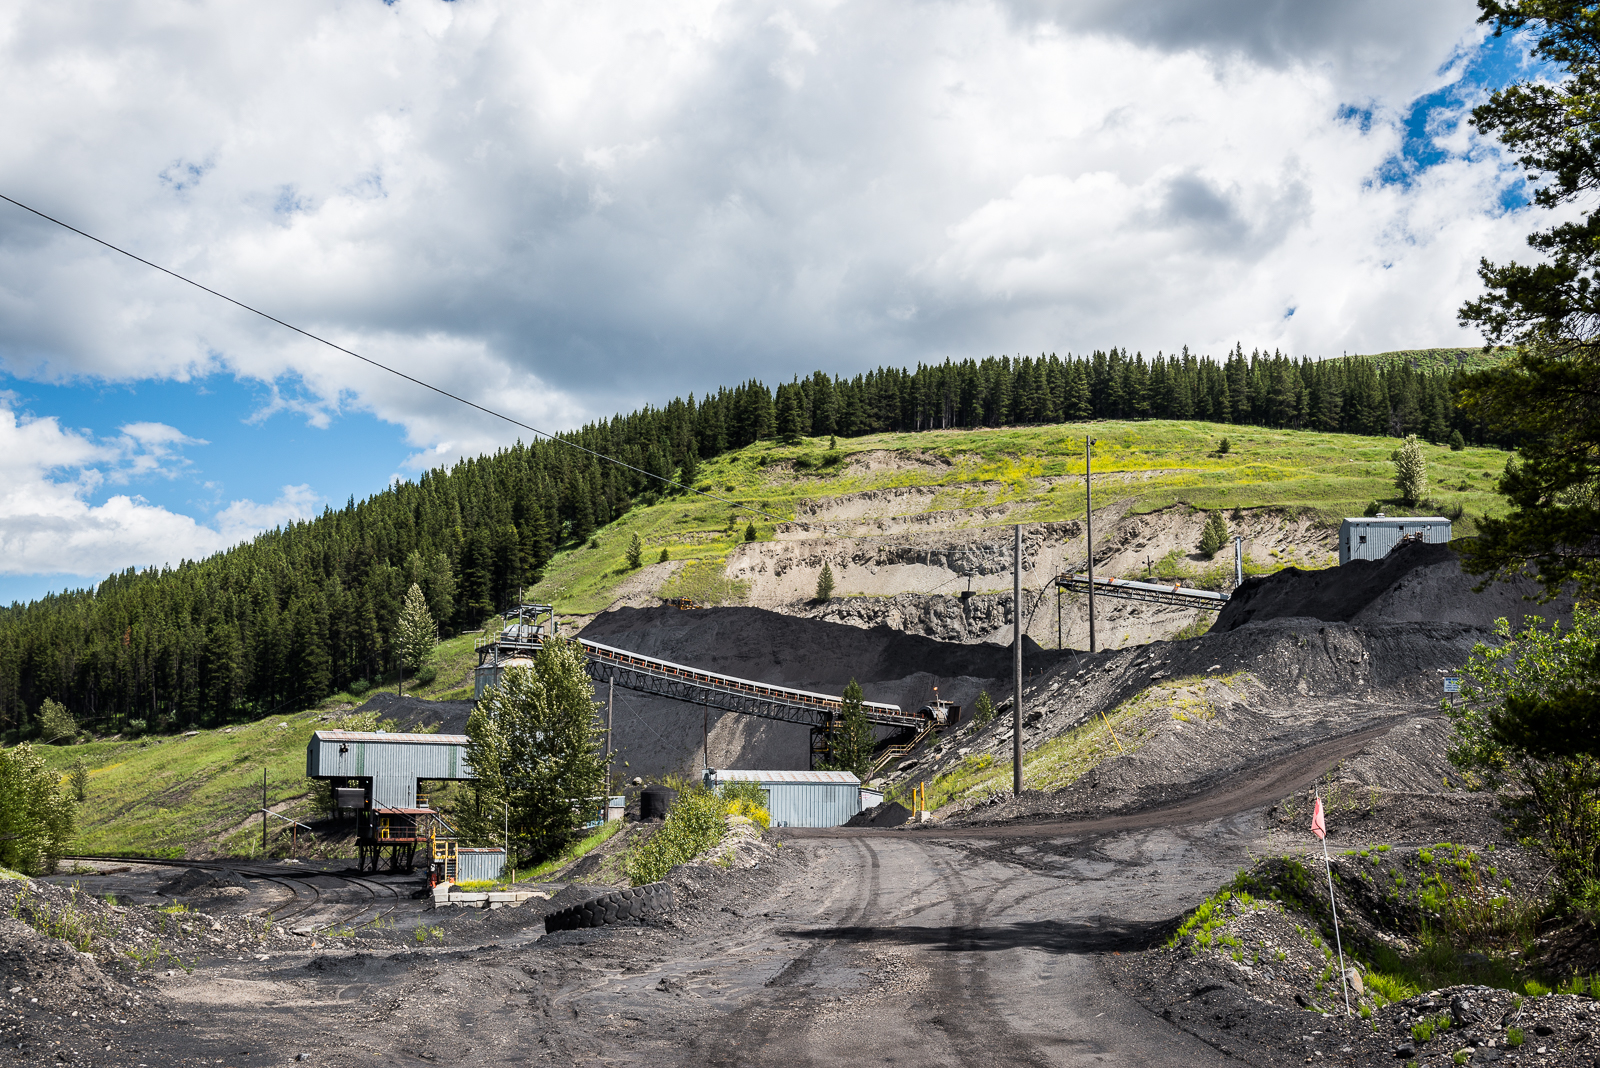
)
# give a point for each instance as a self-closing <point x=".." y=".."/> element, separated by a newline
<point x="1452" y="684"/>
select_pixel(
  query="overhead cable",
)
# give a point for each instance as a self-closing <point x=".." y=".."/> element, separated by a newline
<point x="382" y="366"/>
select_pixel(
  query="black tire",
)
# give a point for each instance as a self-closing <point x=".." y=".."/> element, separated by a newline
<point x="634" y="903"/>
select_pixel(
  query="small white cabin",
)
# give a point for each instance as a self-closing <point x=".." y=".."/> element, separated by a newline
<point x="1371" y="537"/>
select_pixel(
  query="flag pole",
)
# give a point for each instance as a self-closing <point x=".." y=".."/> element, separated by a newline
<point x="1327" y="863"/>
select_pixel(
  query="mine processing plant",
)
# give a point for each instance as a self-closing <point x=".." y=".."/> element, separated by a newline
<point x="530" y="625"/>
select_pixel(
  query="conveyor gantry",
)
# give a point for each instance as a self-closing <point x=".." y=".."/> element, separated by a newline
<point x="1172" y="594"/>
<point x="649" y="674"/>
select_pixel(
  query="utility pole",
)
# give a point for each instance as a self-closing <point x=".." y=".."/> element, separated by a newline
<point x="611" y="704"/>
<point x="1016" y="663"/>
<point x="263" y="810"/>
<point x="1088" y="526"/>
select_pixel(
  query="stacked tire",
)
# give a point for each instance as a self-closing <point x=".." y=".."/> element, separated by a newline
<point x="634" y="903"/>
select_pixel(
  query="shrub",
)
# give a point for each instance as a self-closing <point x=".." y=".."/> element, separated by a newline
<point x="1457" y="442"/>
<point x="135" y="727"/>
<point x="1223" y="446"/>
<point x="663" y="558"/>
<point x="359" y="687"/>
<point x="694" y="825"/>
<point x="36" y="818"/>
<point x="426" y="676"/>
<point x="55" y="722"/>
<point x="983" y="708"/>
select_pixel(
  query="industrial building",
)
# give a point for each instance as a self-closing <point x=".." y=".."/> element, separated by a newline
<point x="800" y="798"/>
<point x="1371" y="537"/>
<point x="381" y="776"/>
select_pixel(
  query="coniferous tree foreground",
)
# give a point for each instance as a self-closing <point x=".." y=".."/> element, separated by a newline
<point x="301" y="611"/>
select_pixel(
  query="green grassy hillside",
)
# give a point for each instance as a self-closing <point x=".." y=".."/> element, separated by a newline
<point x="1175" y="463"/>
<point x="1473" y="359"/>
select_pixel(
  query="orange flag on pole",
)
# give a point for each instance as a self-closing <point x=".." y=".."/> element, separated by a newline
<point x="1319" y="826"/>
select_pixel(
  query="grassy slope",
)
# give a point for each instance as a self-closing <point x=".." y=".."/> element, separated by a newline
<point x="1329" y="473"/>
<point x="1474" y="359"/>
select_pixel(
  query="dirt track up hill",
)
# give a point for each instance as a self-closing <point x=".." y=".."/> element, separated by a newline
<point x="1414" y="583"/>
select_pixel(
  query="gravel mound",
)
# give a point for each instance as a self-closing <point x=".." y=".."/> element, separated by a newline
<point x="1416" y="582"/>
<point x="890" y="814"/>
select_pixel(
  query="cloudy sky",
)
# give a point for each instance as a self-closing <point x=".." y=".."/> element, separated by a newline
<point x="573" y="209"/>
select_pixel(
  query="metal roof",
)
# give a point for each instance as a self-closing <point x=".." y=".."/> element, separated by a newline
<point x="732" y="775"/>
<point x="380" y="736"/>
<point x="1384" y="519"/>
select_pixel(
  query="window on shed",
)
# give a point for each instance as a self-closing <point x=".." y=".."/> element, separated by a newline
<point x="1363" y="539"/>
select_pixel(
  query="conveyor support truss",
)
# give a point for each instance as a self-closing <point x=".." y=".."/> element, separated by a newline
<point x="1172" y="594"/>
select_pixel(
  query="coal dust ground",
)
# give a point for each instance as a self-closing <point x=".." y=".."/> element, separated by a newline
<point x="1036" y="931"/>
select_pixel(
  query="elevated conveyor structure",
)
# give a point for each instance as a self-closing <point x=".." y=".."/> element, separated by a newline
<point x="1171" y="594"/>
<point x="522" y="640"/>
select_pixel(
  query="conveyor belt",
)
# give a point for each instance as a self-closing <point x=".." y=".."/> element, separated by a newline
<point x="726" y="692"/>
<point x="1172" y="594"/>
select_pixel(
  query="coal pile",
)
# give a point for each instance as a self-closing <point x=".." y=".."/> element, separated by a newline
<point x="654" y="735"/>
<point x="1415" y="583"/>
<point x="412" y="713"/>
<point x="202" y="882"/>
<point x="889" y="814"/>
<point x="794" y="651"/>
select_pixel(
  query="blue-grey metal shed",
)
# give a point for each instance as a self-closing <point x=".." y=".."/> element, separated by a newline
<point x="388" y="765"/>
<point x="800" y="798"/>
<point x="1371" y="537"/>
<point x="479" y="865"/>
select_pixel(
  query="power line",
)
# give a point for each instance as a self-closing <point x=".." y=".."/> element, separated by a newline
<point x="381" y="366"/>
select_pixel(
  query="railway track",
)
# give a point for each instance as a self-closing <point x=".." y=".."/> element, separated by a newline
<point x="306" y="895"/>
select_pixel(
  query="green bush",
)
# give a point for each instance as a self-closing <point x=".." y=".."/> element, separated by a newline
<point x="694" y="825"/>
<point x="36" y="818"/>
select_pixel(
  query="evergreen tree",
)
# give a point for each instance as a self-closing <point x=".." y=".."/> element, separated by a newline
<point x="983" y="708"/>
<point x="1214" y="535"/>
<point x="635" y="551"/>
<point x="1411" y="471"/>
<point x="825" y="582"/>
<point x="1457" y="442"/>
<point x="854" y="740"/>
<point x="78" y="778"/>
<point x="414" y="633"/>
<point x="535" y="746"/>
<point x="750" y="532"/>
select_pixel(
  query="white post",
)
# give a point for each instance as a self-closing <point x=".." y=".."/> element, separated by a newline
<point x="1238" y="562"/>
<point x="1327" y="863"/>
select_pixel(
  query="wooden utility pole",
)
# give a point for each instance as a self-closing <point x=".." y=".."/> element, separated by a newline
<point x="1088" y="526"/>
<point x="263" y="810"/>
<point x="1016" y="643"/>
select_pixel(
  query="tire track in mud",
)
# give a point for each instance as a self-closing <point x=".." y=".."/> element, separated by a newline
<point x="968" y="1015"/>
<point x="746" y="1034"/>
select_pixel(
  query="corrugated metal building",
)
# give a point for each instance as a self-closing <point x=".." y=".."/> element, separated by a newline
<point x="387" y="765"/>
<point x="479" y="865"/>
<point x="800" y="798"/>
<point x="1371" y="537"/>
